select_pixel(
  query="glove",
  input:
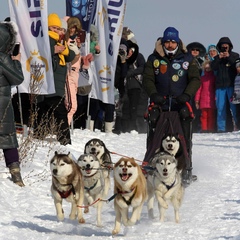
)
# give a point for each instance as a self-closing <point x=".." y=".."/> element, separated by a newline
<point x="74" y="48"/>
<point x="183" y="98"/>
<point x="157" y="99"/>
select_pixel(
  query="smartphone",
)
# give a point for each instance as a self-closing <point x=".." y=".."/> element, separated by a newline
<point x="16" y="49"/>
<point x="82" y="36"/>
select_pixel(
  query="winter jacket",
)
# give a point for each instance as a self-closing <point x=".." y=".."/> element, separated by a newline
<point x="59" y="71"/>
<point x="225" y="67"/>
<point x="10" y="75"/>
<point x="206" y="93"/>
<point x="171" y="77"/>
<point x="135" y="68"/>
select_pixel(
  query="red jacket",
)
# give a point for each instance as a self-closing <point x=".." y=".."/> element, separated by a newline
<point x="206" y="93"/>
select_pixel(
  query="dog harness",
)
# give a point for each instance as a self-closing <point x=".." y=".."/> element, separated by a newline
<point x="66" y="194"/>
<point x="167" y="186"/>
<point x="92" y="187"/>
<point x="128" y="202"/>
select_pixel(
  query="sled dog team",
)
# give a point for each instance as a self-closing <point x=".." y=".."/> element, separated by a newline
<point x="86" y="182"/>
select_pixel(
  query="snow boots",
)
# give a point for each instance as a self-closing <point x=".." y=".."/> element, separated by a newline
<point x="14" y="169"/>
<point x="188" y="177"/>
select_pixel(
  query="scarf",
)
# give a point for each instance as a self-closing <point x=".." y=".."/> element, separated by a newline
<point x="61" y="55"/>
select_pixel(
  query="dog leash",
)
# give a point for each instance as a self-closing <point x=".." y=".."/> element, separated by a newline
<point x="99" y="199"/>
<point x="125" y="156"/>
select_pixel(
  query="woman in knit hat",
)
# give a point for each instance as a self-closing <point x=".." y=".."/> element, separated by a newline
<point x="212" y="52"/>
<point x="53" y="104"/>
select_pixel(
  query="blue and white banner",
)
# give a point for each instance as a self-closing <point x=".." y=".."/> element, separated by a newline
<point x="85" y="10"/>
<point x="31" y="19"/>
<point x="109" y="22"/>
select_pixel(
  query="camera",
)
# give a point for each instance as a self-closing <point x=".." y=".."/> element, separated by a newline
<point x="121" y="52"/>
<point x="223" y="49"/>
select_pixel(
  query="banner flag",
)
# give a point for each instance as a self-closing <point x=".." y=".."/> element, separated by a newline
<point x="109" y="22"/>
<point x="83" y="9"/>
<point x="31" y="19"/>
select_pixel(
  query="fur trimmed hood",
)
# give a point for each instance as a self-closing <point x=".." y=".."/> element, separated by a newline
<point x="133" y="58"/>
<point x="8" y="37"/>
<point x="74" y="21"/>
<point x="160" y="51"/>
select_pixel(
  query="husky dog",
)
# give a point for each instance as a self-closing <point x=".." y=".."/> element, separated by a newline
<point x="67" y="184"/>
<point x="97" y="148"/>
<point x="130" y="189"/>
<point x="171" y="144"/>
<point x="166" y="183"/>
<point x="94" y="183"/>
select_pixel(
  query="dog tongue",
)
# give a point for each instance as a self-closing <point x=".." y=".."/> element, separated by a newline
<point x="124" y="177"/>
<point x="88" y="171"/>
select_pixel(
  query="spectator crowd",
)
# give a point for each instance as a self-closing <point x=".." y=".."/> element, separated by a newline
<point x="215" y="104"/>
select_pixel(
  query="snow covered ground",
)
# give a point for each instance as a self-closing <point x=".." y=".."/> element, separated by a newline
<point x="210" y="210"/>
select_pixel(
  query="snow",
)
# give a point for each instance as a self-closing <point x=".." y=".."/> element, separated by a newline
<point x="210" y="209"/>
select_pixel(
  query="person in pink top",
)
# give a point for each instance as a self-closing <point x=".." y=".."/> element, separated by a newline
<point x="79" y="65"/>
<point x="205" y="99"/>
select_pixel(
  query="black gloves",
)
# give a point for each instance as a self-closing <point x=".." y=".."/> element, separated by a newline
<point x="157" y="99"/>
<point x="183" y="98"/>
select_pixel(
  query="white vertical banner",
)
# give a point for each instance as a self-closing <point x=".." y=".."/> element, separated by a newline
<point x="31" y="19"/>
<point x="109" y="21"/>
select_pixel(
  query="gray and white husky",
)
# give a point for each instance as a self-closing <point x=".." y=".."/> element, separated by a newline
<point x="165" y="184"/>
<point x="95" y="186"/>
<point x="67" y="183"/>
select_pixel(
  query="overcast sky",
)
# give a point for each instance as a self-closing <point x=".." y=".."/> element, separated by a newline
<point x="205" y="21"/>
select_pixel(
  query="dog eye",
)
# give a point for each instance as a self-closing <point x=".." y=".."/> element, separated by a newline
<point x="62" y="164"/>
<point x="129" y="166"/>
<point x="121" y="166"/>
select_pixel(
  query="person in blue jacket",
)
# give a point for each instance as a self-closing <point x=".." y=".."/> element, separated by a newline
<point x="224" y="65"/>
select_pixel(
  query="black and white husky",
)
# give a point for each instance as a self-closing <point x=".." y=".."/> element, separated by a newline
<point x="171" y="144"/>
<point x="97" y="148"/>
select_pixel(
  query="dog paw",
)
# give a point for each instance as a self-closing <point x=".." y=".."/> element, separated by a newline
<point x="81" y="220"/>
<point x="99" y="225"/>
<point x="86" y="210"/>
<point x="115" y="231"/>
<point x="72" y="216"/>
<point x="60" y="217"/>
<point x="130" y="223"/>
<point x="164" y="205"/>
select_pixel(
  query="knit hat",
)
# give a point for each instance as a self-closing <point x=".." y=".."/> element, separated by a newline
<point x="212" y="47"/>
<point x="170" y="33"/>
<point x="54" y="20"/>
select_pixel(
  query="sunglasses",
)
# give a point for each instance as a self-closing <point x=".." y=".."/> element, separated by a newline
<point x="195" y="49"/>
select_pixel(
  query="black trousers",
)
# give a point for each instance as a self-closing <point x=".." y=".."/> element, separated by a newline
<point x="53" y="109"/>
